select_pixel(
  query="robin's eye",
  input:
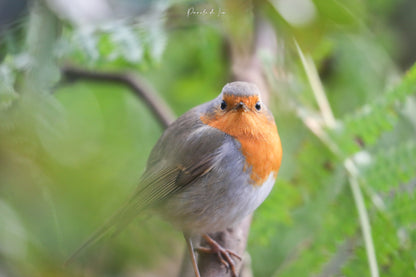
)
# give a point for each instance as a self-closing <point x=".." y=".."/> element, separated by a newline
<point x="258" y="106"/>
<point x="223" y="105"/>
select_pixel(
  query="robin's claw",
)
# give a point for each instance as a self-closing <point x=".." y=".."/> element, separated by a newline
<point x="224" y="255"/>
<point x="235" y="255"/>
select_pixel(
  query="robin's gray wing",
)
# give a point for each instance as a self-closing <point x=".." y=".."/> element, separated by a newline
<point x="186" y="151"/>
<point x="176" y="161"/>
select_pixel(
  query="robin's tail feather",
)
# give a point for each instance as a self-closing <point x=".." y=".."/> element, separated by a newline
<point x="154" y="186"/>
<point x="111" y="227"/>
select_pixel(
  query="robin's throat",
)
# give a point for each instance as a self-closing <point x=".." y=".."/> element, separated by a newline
<point x="259" y="140"/>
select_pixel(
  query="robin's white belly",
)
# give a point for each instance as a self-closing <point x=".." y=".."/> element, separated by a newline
<point x="215" y="206"/>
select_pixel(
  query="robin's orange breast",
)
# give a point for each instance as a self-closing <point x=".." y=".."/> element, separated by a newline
<point x="259" y="139"/>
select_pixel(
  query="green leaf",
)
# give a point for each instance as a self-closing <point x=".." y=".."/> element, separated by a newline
<point x="7" y="92"/>
<point x="366" y="125"/>
<point x="391" y="167"/>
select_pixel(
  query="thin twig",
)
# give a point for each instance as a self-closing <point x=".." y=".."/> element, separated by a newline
<point x="344" y="252"/>
<point x="293" y="255"/>
<point x="363" y="215"/>
<point x="158" y="107"/>
<point x="348" y="163"/>
<point x="357" y="195"/>
<point x="317" y="88"/>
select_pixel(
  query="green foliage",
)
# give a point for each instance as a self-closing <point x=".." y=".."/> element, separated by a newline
<point x="325" y="239"/>
<point x="391" y="166"/>
<point x="71" y="152"/>
<point x="7" y="92"/>
<point x="366" y="125"/>
<point x="116" y="44"/>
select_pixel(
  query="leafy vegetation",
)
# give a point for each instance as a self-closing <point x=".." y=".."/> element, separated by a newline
<point x="71" y="151"/>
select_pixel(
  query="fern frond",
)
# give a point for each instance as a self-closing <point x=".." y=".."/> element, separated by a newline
<point x="392" y="167"/>
<point x="365" y="126"/>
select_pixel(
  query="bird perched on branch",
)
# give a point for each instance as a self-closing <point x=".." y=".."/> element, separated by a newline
<point x="211" y="168"/>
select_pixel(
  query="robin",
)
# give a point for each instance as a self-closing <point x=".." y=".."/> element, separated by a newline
<point x="211" y="167"/>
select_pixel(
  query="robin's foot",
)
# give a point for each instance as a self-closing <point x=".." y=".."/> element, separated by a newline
<point x="224" y="255"/>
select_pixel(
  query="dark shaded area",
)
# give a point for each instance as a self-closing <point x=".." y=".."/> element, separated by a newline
<point x="11" y="12"/>
<point x="403" y="19"/>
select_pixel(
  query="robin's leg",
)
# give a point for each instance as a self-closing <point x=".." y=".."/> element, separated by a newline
<point x="224" y="255"/>
<point x="192" y="254"/>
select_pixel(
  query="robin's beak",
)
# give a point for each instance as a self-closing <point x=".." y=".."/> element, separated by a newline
<point x="241" y="107"/>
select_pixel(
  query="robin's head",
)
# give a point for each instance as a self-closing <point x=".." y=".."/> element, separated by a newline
<point x="238" y="108"/>
<point x="240" y="97"/>
<point x="239" y="112"/>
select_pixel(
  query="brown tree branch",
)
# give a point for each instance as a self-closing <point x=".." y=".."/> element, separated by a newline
<point x="235" y="239"/>
<point x="141" y="89"/>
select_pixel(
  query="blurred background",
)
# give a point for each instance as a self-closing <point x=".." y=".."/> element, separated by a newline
<point x="340" y="81"/>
